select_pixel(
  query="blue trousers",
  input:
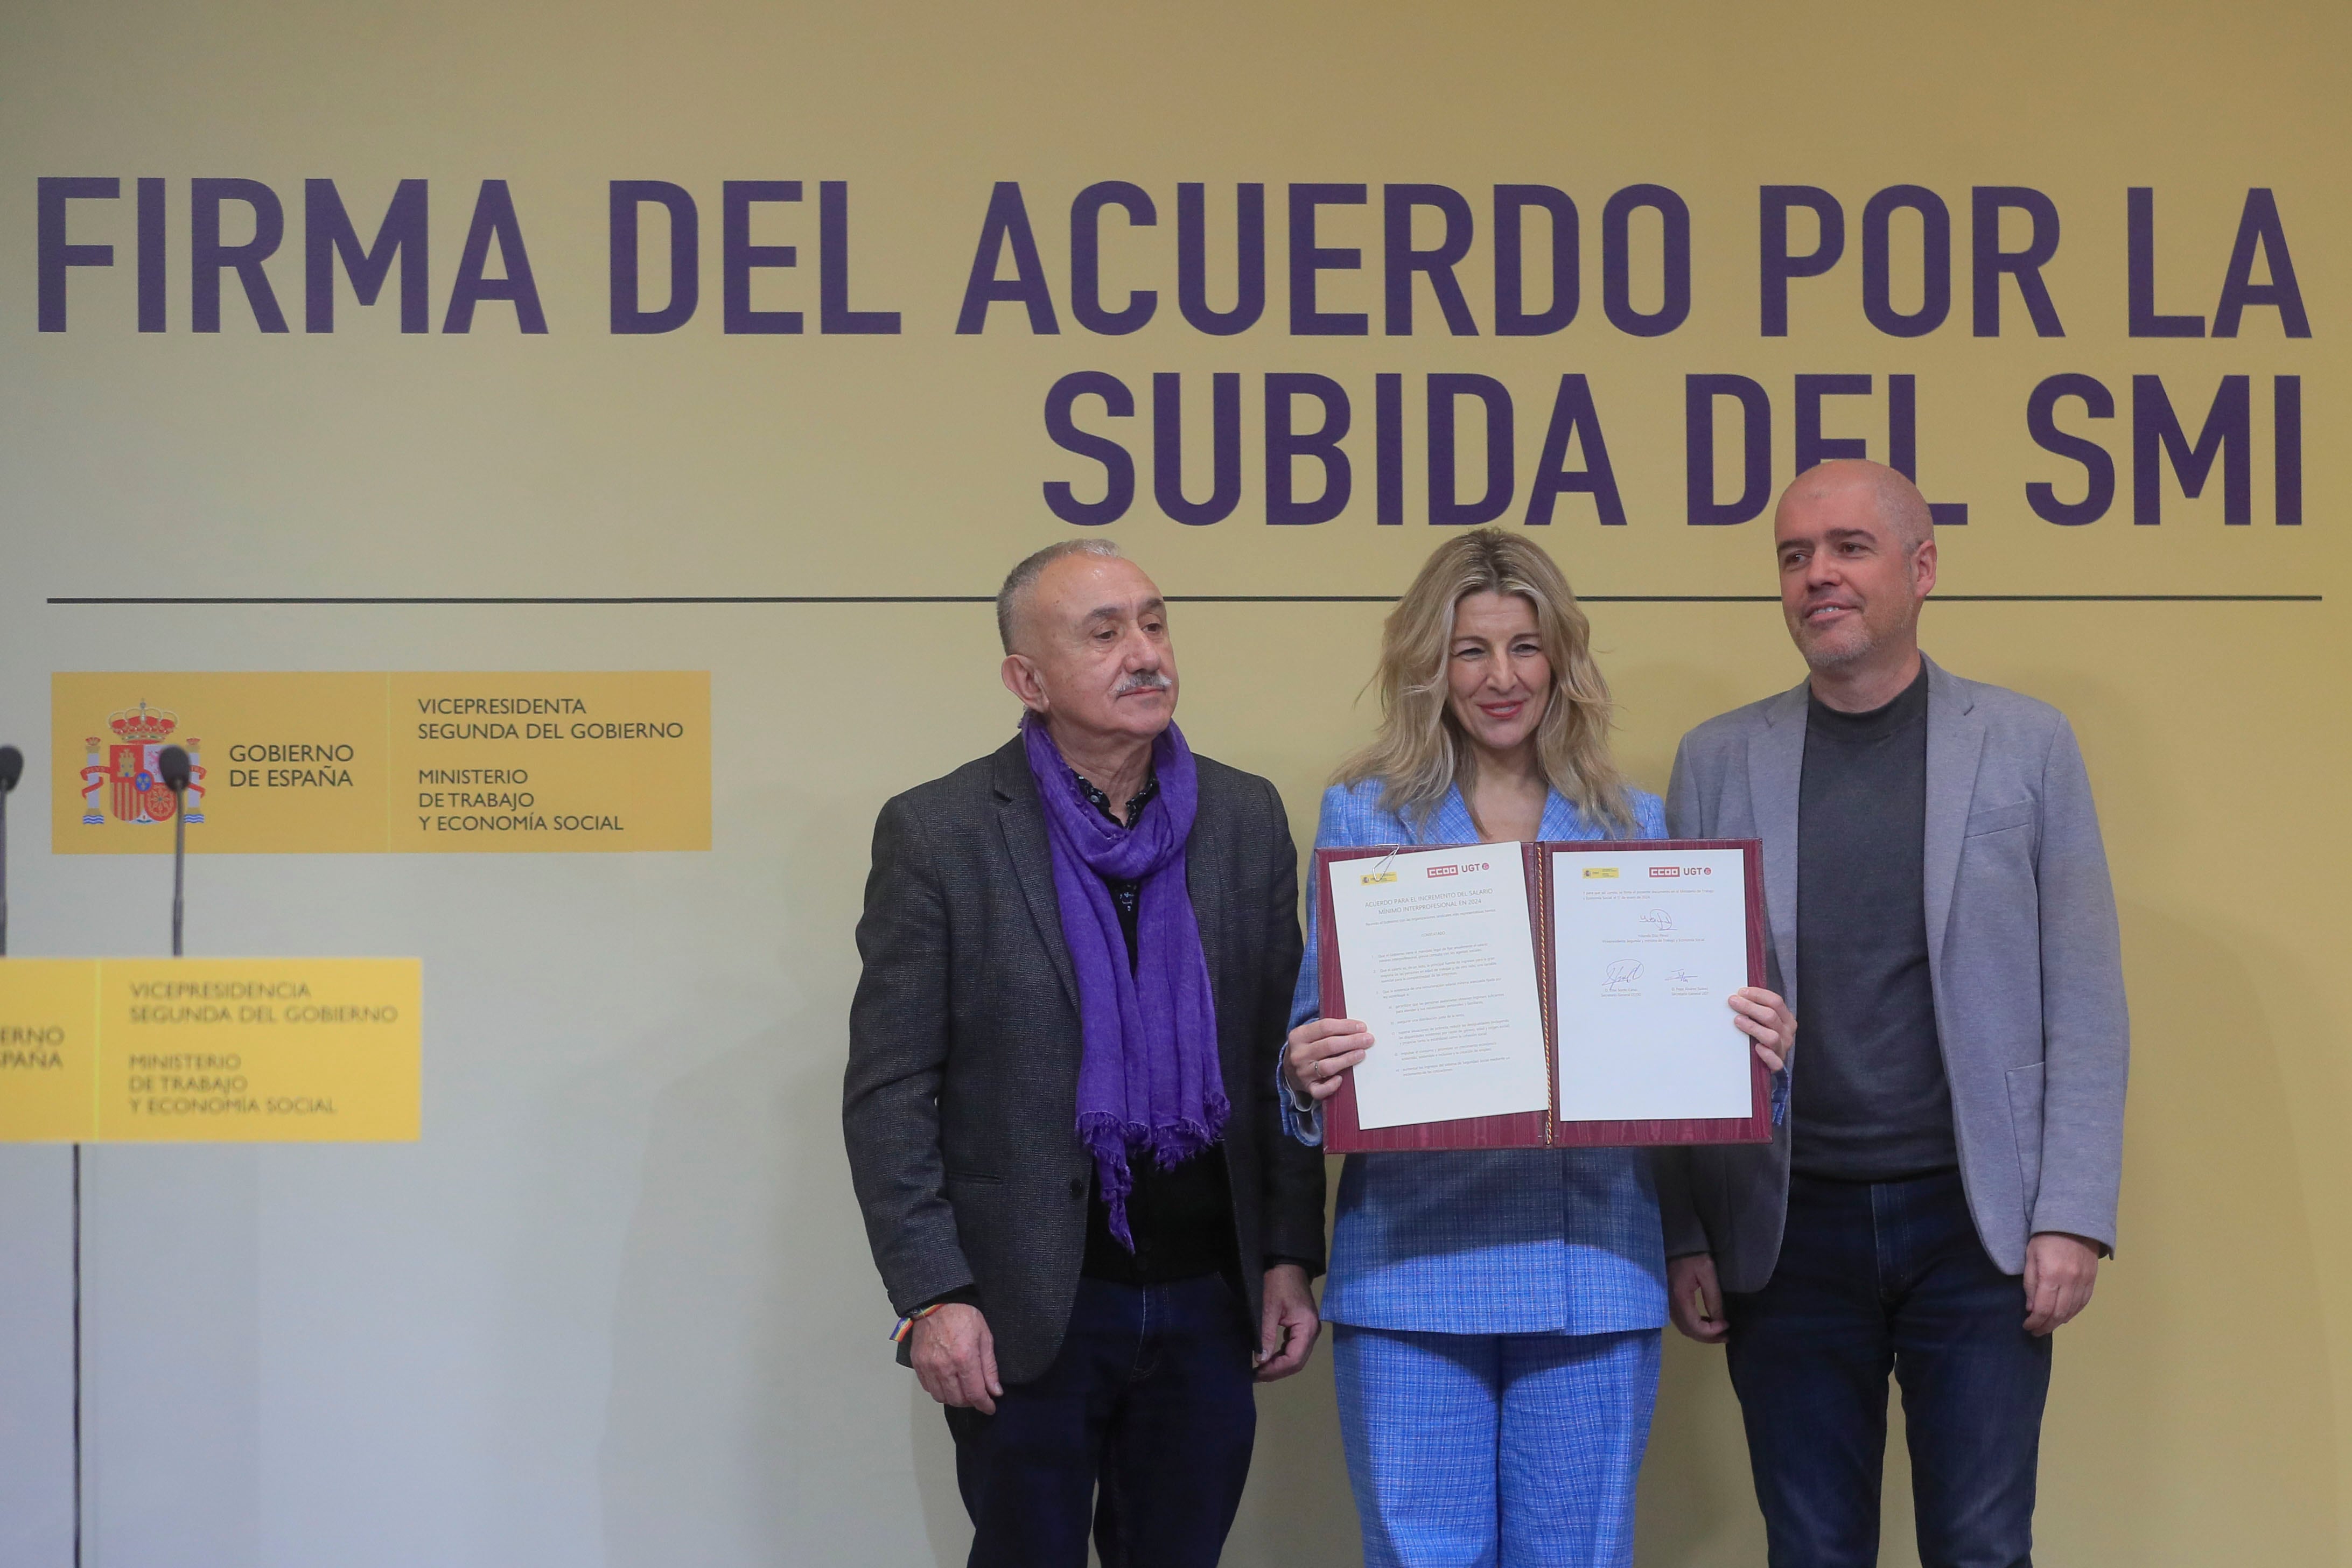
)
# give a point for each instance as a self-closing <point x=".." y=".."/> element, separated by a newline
<point x="1142" y="1429"/>
<point x="1494" y="1450"/>
<point x="1877" y="1277"/>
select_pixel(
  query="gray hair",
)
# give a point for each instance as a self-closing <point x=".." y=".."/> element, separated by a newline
<point x="1023" y="577"/>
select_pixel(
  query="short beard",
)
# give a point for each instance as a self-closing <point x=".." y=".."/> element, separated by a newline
<point x="1820" y="657"/>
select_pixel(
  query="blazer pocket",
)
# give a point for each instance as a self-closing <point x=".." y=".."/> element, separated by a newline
<point x="975" y="1178"/>
<point x="2025" y="1119"/>
<point x="1999" y="818"/>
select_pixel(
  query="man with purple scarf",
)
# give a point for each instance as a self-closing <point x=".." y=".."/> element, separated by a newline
<point x="1061" y="1101"/>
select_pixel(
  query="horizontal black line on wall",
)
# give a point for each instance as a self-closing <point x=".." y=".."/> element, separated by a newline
<point x="1172" y="598"/>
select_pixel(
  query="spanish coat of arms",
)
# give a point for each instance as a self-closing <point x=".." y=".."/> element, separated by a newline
<point x="124" y="770"/>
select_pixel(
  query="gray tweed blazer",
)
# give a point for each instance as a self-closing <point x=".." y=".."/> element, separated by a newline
<point x="960" y="1105"/>
<point x="2022" y="951"/>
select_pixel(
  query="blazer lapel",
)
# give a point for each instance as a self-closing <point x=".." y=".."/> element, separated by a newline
<point x="1776" y="764"/>
<point x="1561" y="821"/>
<point x="1022" y="818"/>
<point x="1451" y="823"/>
<point x="1955" y="741"/>
<point x="1205" y="885"/>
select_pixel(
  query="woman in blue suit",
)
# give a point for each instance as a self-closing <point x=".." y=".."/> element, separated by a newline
<point x="1496" y="1313"/>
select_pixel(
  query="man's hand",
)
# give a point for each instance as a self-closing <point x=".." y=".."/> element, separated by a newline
<point x="1319" y="1050"/>
<point x="1693" y="1300"/>
<point x="1287" y="1335"/>
<point x="1763" y="1017"/>
<point x="2060" y="1270"/>
<point x="955" y="1358"/>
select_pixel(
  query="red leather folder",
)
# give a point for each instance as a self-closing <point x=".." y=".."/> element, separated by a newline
<point x="1344" y="1134"/>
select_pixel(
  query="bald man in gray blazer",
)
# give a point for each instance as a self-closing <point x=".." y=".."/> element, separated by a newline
<point x="1941" y="1183"/>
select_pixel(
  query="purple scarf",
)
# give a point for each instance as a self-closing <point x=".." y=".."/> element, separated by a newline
<point x="1149" y="1078"/>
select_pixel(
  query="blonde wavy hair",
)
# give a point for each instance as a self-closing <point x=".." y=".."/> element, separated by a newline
<point x="1420" y="752"/>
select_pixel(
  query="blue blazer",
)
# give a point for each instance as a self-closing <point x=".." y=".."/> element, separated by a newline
<point x="1504" y="1241"/>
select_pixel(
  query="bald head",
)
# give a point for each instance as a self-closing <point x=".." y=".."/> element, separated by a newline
<point x="1857" y="551"/>
<point x="1894" y="499"/>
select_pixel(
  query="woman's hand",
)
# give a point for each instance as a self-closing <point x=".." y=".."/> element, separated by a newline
<point x="1321" y="1049"/>
<point x="1763" y="1017"/>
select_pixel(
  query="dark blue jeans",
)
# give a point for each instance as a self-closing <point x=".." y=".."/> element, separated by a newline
<point x="1142" y="1427"/>
<point x="1877" y="1277"/>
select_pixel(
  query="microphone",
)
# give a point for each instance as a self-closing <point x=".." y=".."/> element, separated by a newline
<point x="12" y="768"/>
<point x="172" y="765"/>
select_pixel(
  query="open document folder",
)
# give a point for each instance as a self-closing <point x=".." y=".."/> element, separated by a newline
<point x="1532" y="995"/>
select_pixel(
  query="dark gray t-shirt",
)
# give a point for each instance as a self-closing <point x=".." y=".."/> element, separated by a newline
<point x="1869" y="1100"/>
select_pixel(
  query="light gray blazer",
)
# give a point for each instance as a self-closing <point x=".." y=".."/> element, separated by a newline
<point x="2022" y="949"/>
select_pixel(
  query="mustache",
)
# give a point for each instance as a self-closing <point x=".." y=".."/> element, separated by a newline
<point x="1143" y="680"/>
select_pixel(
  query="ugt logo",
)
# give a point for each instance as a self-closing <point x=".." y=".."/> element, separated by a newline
<point x="126" y="771"/>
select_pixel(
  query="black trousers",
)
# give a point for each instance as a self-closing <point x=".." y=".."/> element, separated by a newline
<point x="1139" y="1433"/>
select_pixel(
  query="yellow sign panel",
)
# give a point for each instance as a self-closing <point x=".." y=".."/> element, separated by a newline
<point x="612" y="760"/>
<point x="281" y="762"/>
<point x="211" y="1051"/>
<point x="302" y="762"/>
<point x="48" y="1050"/>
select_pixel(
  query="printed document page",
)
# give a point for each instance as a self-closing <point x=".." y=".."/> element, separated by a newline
<point x="1647" y="946"/>
<point x="1437" y="956"/>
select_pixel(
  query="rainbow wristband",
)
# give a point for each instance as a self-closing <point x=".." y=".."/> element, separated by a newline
<point x="906" y="1325"/>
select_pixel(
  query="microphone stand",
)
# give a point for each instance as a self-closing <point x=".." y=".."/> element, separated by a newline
<point x="173" y="763"/>
<point x="12" y="768"/>
<point x="179" y="864"/>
